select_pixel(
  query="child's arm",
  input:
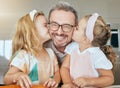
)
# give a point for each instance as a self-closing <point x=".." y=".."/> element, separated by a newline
<point x="15" y="76"/>
<point x="57" y="77"/>
<point x="65" y="72"/>
<point x="54" y="80"/>
<point x="106" y="78"/>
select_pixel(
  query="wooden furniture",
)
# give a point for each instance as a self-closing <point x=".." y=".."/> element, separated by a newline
<point x="17" y="86"/>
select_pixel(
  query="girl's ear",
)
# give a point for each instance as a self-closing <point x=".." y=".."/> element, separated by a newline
<point x="86" y="40"/>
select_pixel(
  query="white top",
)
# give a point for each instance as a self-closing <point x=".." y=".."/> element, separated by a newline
<point x="38" y="71"/>
<point x="86" y="63"/>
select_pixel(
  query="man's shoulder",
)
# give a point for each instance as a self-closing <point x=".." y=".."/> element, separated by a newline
<point x="48" y="43"/>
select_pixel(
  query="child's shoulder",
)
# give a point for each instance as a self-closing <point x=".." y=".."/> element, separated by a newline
<point x="97" y="53"/>
<point x="70" y="47"/>
<point x="96" y="50"/>
<point x="21" y="53"/>
<point x="73" y="44"/>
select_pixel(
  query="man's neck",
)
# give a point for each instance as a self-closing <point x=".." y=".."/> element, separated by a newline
<point x="60" y="49"/>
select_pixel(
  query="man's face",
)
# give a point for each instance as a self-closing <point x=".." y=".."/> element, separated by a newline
<point x="61" y="17"/>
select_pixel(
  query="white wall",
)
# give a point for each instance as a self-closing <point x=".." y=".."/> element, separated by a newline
<point x="12" y="10"/>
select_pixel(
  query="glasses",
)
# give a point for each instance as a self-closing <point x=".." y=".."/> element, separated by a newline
<point x="65" y="27"/>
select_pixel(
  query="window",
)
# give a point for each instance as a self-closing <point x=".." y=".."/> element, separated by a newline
<point x="114" y="38"/>
<point x="6" y="48"/>
<point x="1" y="48"/>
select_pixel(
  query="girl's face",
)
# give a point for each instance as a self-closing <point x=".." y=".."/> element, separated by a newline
<point x="79" y="34"/>
<point x="41" y="25"/>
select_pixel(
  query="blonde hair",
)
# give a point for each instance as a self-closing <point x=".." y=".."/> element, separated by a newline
<point x="102" y="34"/>
<point x="26" y="36"/>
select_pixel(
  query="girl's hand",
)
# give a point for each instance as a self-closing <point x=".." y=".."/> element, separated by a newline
<point x="51" y="83"/>
<point x="69" y="85"/>
<point x="82" y="82"/>
<point x="23" y="80"/>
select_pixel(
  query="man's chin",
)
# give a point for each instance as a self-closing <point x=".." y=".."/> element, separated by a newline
<point x="60" y="44"/>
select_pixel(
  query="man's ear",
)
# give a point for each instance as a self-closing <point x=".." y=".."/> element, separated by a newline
<point x="76" y="27"/>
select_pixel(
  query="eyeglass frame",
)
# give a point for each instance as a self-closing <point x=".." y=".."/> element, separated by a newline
<point x="58" y="26"/>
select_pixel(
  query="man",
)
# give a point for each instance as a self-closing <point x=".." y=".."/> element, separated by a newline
<point x="63" y="20"/>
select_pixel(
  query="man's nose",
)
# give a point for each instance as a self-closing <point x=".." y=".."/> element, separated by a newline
<point x="60" y="30"/>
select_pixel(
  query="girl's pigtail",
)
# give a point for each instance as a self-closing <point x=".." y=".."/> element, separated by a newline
<point x="111" y="55"/>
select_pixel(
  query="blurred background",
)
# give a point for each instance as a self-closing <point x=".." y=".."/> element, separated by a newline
<point x="12" y="10"/>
